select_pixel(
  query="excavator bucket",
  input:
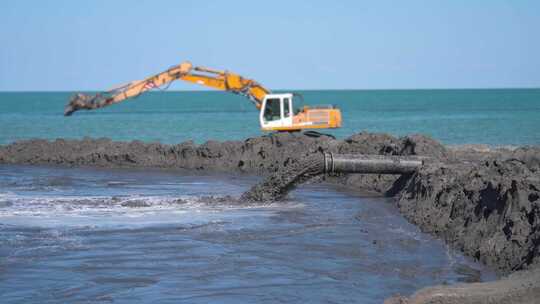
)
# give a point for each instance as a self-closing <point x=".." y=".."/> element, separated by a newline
<point x="129" y="90"/>
<point x="81" y="101"/>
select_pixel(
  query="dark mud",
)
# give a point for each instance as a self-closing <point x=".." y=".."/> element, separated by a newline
<point x="255" y="155"/>
<point x="483" y="201"/>
<point x="489" y="209"/>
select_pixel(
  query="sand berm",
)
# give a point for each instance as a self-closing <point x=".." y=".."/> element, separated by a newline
<point x="483" y="201"/>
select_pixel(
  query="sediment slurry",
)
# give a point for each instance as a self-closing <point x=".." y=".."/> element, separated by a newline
<point x="277" y="185"/>
<point x="481" y="200"/>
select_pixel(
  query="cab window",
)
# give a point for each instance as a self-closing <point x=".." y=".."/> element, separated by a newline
<point x="286" y="105"/>
<point x="272" y="110"/>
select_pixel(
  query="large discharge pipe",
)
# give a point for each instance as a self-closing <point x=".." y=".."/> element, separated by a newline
<point x="370" y="164"/>
<point x="277" y="185"/>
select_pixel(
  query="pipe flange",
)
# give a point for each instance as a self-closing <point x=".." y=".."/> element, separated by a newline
<point x="328" y="162"/>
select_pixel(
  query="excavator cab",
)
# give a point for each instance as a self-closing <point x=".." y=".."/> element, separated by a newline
<point x="278" y="114"/>
<point x="276" y="111"/>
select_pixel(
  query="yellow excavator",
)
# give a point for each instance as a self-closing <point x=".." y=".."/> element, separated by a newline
<point x="276" y="110"/>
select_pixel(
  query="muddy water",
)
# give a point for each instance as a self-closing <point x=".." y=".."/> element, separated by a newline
<point x="78" y="235"/>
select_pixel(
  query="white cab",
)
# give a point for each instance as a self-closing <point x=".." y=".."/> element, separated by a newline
<point x="277" y="111"/>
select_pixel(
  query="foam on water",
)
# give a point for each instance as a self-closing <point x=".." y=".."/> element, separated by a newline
<point x="132" y="210"/>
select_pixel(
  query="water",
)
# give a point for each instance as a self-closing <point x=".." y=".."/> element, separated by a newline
<point x="490" y="116"/>
<point x="87" y="235"/>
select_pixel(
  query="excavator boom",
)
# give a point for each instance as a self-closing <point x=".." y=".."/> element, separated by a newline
<point x="220" y="80"/>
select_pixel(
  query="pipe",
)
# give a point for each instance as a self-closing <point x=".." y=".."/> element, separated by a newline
<point x="370" y="164"/>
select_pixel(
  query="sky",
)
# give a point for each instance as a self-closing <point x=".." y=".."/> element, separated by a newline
<point x="95" y="45"/>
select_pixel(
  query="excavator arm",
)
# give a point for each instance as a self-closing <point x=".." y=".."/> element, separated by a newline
<point x="220" y="80"/>
<point x="226" y="81"/>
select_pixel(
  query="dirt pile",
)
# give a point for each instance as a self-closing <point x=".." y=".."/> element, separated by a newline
<point x="263" y="153"/>
<point x="529" y="155"/>
<point x="488" y="209"/>
<point x="255" y="155"/>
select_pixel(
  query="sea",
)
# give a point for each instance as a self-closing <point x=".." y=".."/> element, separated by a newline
<point x="101" y="235"/>
<point x="482" y="116"/>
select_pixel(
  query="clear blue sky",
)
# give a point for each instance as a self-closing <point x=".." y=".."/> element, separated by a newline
<point x="93" y="45"/>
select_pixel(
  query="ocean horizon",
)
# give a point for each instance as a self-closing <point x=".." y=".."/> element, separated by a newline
<point x="453" y="116"/>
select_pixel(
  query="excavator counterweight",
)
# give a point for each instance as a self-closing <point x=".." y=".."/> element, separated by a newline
<point x="276" y="110"/>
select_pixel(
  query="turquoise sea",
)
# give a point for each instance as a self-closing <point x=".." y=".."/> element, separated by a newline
<point x="488" y="116"/>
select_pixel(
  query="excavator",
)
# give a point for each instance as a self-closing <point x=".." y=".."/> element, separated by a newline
<point x="276" y="111"/>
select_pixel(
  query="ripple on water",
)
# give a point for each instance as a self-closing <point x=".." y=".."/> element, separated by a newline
<point x="166" y="237"/>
